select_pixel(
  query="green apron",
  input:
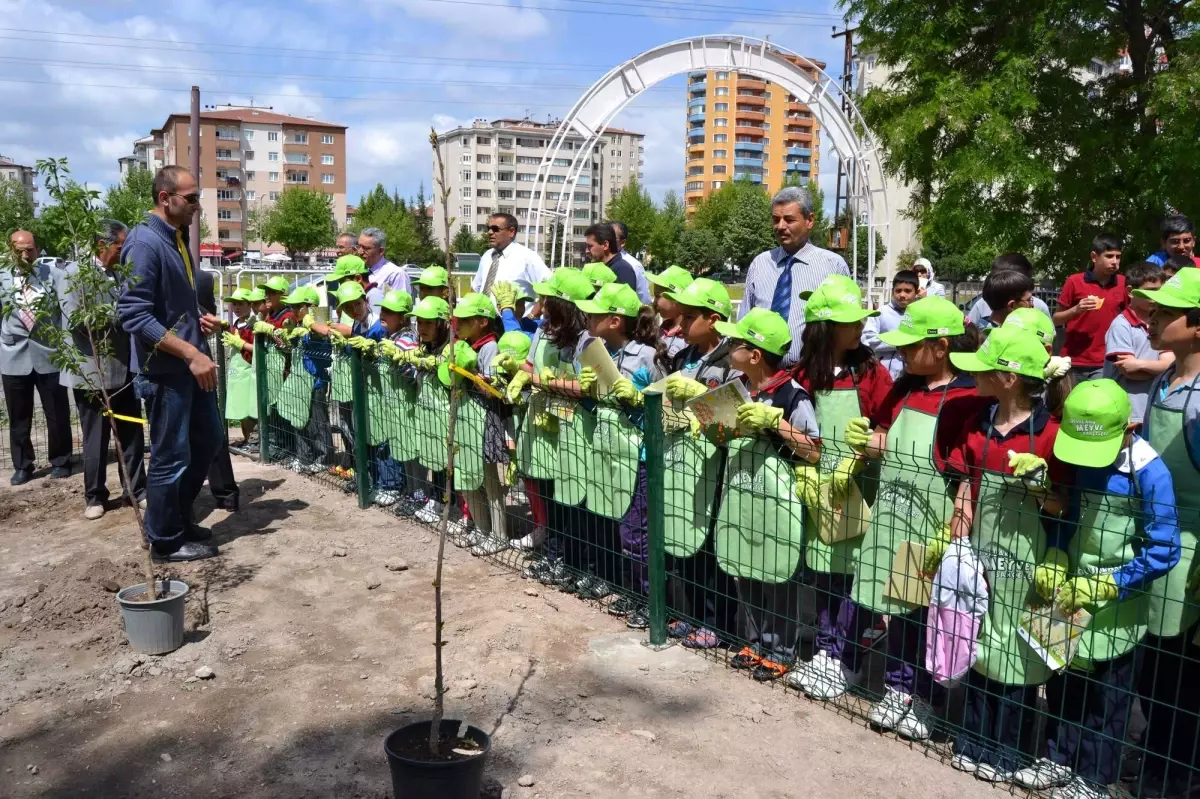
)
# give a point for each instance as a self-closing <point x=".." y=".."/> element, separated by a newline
<point x="690" y="471"/>
<point x="1009" y="538"/>
<point x="537" y="450"/>
<point x="295" y="400"/>
<point x="276" y="366"/>
<point x="404" y="436"/>
<point x="379" y="413"/>
<point x="835" y="408"/>
<point x="433" y="422"/>
<point x="912" y="505"/>
<point x="468" y="442"/>
<point x="574" y="457"/>
<point x="1173" y="608"/>
<point x="760" y="526"/>
<point x="341" y="387"/>
<point x="241" y="390"/>
<point x="616" y="447"/>
<point x="1103" y="542"/>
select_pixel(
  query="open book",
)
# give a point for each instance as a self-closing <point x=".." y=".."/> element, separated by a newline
<point x="1052" y="634"/>
<point x="719" y="406"/>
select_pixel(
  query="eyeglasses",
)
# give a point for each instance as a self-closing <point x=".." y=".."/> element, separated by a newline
<point x="190" y="199"/>
<point x="496" y="228"/>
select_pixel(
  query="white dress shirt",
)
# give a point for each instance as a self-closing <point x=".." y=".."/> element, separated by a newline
<point x="387" y="276"/>
<point x="518" y="264"/>
<point x="643" y="285"/>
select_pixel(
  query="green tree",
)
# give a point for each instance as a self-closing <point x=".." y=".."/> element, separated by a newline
<point x="821" y="227"/>
<point x="391" y="214"/>
<point x="668" y="230"/>
<point x="700" y="251"/>
<point x="16" y="208"/>
<point x="633" y="206"/>
<point x="465" y="241"/>
<point x="301" y="221"/>
<point x="132" y="198"/>
<point x="748" y="231"/>
<point x="428" y="252"/>
<point x="995" y="115"/>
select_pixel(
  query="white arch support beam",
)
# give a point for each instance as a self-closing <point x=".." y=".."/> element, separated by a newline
<point x="591" y="115"/>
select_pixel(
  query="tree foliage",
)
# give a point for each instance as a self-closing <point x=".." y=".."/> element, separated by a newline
<point x="633" y="206"/>
<point x="995" y="115"/>
<point x="16" y="208"/>
<point x="391" y="214"/>
<point x="669" y="224"/>
<point x="465" y="241"/>
<point x="301" y="221"/>
<point x="748" y="231"/>
<point x="130" y="200"/>
<point x="701" y="251"/>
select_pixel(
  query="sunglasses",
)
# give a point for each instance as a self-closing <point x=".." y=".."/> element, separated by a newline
<point x="496" y="228"/>
<point x="190" y="199"/>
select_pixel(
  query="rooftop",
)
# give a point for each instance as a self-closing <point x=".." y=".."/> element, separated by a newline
<point x="6" y="161"/>
<point x="259" y="115"/>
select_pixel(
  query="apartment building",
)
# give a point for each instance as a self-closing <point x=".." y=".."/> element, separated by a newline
<point x="743" y="127"/>
<point x="492" y="166"/>
<point x="147" y="154"/>
<point x="247" y="157"/>
<point x="25" y="175"/>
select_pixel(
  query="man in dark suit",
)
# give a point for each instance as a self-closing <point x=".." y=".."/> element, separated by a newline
<point x="221" y="481"/>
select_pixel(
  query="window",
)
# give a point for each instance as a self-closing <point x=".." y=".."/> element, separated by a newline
<point x="272" y="135"/>
<point x="582" y="197"/>
<point x="720" y="137"/>
<point x="528" y="159"/>
<point x="273" y="177"/>
<point x="273" y="196"/>
<point x="466" y="210"/>
<point x="718" y="184"/>
<point x="507" y="176"/>
<point x="483" y="159"/>
<point x="295" y="158"/>
<point x="483" y="141"/>
<point x="300" y="138"/>
<point x="553" y="195"/>
<point x="272" y="156"/>
<point x="722" y="91"/>
<point x="224" y="155"/>
<point x="326" y="138"/>
<point x="720" y="153"/>
<point x="721" y="107"/>
<point x="504" y="194"/>
<point x="249" y="135"/>
<point x="579" y="231"/>
<point x="465" y="158"/>
<point x="327" y="159"/>
<point x="720" y="122"/>
<point x="249" y="155"/>
<point x="531" y="142"/>
<point x="297" y="177"/>
<point x="504" y="159"/>
<point x="526" y="177"/>
<point x="562" y="161"/>
<point x="720" y="169"/>
<point x="466" y="192"/>
<point x="483" y="175"/>
<point x="250" y="195"/>
<point x="480" y="228"/>
<point x="695" y="185"/>
<point x="227" y="195"/>
<point x="583" y="213"/>
<point x="225" y="214"/>
<point x="722" y="76"/>
<point x="467" y="175"/>
<point x="556" y="179"/>
<point x="327" y="177"/>
<point x="503" y="142"/>
<point x="483" y="193"/>
<point x="523" y="194"/>
<point x="696" y="170"/>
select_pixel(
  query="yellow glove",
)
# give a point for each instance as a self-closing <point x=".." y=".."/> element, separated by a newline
<point x="233" y="341"/>
<point x="935" y="548"/>
<point x="505" y="294"/>
<point x="587" y="379"/>
<point x="510" y="474"/>
<point x="1056" y="367"/>
<point x="1080" y="591"/>
<point x="546" y="422"/>
<point x="337" y="339"/>
<point x="547" y="374"/>
<point x="808" y="482"/>
<point x="694" y="425"/>
<point x="508" y="364"/>
<point x="388" y="349"/>
<point x="1028" y="467"/>
<point x="296" y="333"/>
<point x="1051" y="574"/>
<point x="426" y="363"/>
<point x="756" y="416"/>
<point x="843" y="474"/>
<point x="626" y="392"/>
<point x="516" y="385"/>
<point x="684" y="388"/>
<point x="858" y="433"/>
<point x="361" y="344"/>
<point x="308" y="321"/>
<point x="264" y="328"/>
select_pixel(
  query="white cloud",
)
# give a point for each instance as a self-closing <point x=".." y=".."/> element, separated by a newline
<point x="112" y="147"/>
<point x="497" y="22"/>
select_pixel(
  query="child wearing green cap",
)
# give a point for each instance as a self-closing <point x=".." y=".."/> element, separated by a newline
<point x="241" y="394"/>
<point x="673" y="278"/>
<point x="1171" y="666"/>
<point x="432" y="315"/>
<point x="1121" y="533"/>
<point x="845" y="381"/>
<point x="1008" y="472"/>
<point x="314" y="443"/>
<point x="599" y="274"/>
<point x="760" y="512"/>
<point x="915" y="429"/>
<point x="433" y="281"/>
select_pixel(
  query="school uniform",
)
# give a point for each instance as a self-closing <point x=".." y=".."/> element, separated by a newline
<point x="486" y="504"/>
<point x="358" y="327"/>
<point x="278" y="432"/>
<point x="888" y="320"/>
<point x="1011" y="536"/>
<point x="314" y="445"/>
<point x="1129" y="335"/>
<point x="672" y="339"/>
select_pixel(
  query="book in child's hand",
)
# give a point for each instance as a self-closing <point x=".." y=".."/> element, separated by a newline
<point x="1053" y="635"/>
<point x="719" y="406"/>
<point x="906" y="583"/>
<point x="597" y="357"/>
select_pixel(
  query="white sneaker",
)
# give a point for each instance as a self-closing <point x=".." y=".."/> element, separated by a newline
<point x="916" y="724"/>
<point x="1079" y="788"/>
<point x="386" y="499"/>
<point x="431" y="513"/>
<point x="143" y="504"/>
<point x="831" y="680"/>
<point x="887" y="712"/>
<point x="989" y="773"/>
<point x="489" y="545"/>
<point x="801" y="677"/>
<point x="532" y="541"/>
<point x="93" y="512"/>
<point x="964" y="763"/>
<point x="1043" y="774"/>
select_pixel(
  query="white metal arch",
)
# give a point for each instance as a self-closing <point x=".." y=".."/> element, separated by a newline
<point x="594" y="111"/>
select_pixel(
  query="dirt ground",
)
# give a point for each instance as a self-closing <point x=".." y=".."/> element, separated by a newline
<point x="314" y="666"/>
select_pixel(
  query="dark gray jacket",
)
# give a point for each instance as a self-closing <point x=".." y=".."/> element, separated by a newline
<point x="24" y="347"/>
<point x="114" y="368"/>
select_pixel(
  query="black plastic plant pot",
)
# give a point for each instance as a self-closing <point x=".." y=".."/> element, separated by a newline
<point x="418" y="775"/>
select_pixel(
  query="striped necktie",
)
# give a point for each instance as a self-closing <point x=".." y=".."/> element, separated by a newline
<point x="493" y="268"/>
<point x="781" y="303"/>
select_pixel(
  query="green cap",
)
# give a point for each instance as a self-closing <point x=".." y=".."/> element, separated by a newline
<point x="1006" y="349"/>
<point x="615" y="298"/>
<point x="474" y="304"/>
<point x="599" y="274"/>
<point x="930" y="317"/>
<point x="398" y="301"/>
<point x="1033" y="321"/>
<point x="432" y="308"/>
<point x="704" y="293"/>
<point x="514" y="343"/>
<point x="522" y="293"/>
<point x="837" y="299"/>
<point x="673" y="278"/>
<point x="238" y="295"/>
<point x="277" y="283"/>
<point x="303" y="295"/>
<point x="346" y="266"/>
<point x="349" y="291"/>
<point x="566" y="283"/>
<point x="1181" y="291"/>
<point x="433" y="277"/>
<point x="1095" y="418"/>
<point x="256" y="294"/>
<point x="760" y="328"/>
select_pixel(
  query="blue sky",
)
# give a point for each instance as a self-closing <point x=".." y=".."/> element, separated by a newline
<point x="84" y="79"/>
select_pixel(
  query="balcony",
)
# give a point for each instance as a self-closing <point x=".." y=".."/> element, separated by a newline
<point x="696" y="117"/>
<point x="233" y="156"/>
<point x="298" y="178"/>
<point x="696" y="137"/>
<point x="753" y="177"/>
<point x="743" y="129"/>
<point x="229" y="198"/>
<point x="750" y="146"/>
<point x="799" y="151"/>
<point x="229" y="140"/>
<point x="297" y="159"/>
<point x="697" y="102"/>
<point x="747" y="82"/>
<point x="796" y="167"/>
<point x="229" y="237"/>
<point x="751" y="116"/>
<point x="755" y="162"/>
<point x="695" y="171"/>
<point x="698" y="86"/>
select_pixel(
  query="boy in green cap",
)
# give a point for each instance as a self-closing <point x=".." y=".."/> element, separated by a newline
<point x="599" y="274"/>
<point x="277" y="313"/>
<point x="781" y="413"/>
<point x="315" y="442"/>
<point x="673" y="278"/>
<point x="1121" y="534"/>
<point x="433" y="281"/>
<point x="241" y="394"/>
<point x="1005" y="462"/>
<point x="1128" y="357"/>
<point x="1171" y="666"/>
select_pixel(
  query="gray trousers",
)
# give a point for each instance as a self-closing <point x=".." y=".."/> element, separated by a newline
<point x="97" y="434"/>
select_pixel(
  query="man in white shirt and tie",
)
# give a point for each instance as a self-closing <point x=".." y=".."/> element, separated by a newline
<point x="372" y="246"/>
<point x="507" y="261"/>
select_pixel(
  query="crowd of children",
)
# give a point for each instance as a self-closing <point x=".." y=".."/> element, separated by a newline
<point x="909" y="442"/>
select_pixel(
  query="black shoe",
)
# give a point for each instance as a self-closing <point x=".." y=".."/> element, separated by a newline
<point x="591" y="587"/>
<point x="21" y="477"/>
<point x="554" y="572"/>
<point x="230" y="504"/>
<point x="60" y="472"/>
<point x="638" y="618"/>
<point x="191" y="550"/>
<point x="623" y="606"/>
<point x="197" y="533"/>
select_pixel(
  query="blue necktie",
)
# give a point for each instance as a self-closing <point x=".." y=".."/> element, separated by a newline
<point x="781" y="303"/>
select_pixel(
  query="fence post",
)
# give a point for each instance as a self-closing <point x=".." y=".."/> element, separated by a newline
<point x="656" y="522"/>
<point x="264" y="405"/>
<point x="362" y="433"/>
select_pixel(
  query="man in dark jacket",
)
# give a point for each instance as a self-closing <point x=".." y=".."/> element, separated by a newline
<point x="158" y="308"/>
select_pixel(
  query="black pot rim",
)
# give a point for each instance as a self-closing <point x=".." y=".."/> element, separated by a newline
<point x="408" y="729"/>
